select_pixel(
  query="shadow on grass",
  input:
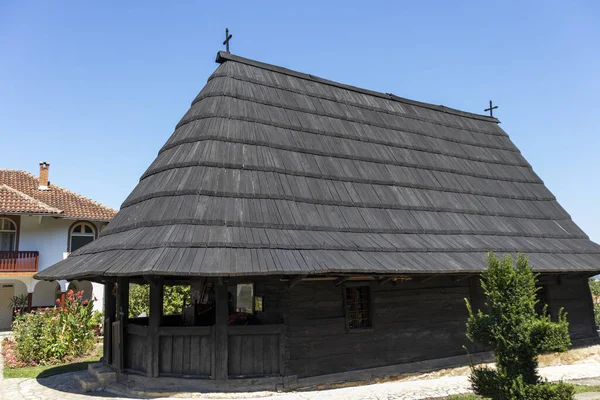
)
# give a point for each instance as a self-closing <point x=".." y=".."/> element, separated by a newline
<point x="48" y="370"/>
<point x="61" y="369"/>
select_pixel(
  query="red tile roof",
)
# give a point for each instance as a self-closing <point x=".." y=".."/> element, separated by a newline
<point x="19" y="194"/>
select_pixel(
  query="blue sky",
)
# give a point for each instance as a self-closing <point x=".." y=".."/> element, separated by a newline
<point x="96" y="88"/>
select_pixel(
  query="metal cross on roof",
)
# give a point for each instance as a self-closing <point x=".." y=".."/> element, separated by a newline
<point x="491" y="109"/>
<point x="227" y="38"/>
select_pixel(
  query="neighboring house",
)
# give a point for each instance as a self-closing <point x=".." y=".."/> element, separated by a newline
<point x="40" y="224"/>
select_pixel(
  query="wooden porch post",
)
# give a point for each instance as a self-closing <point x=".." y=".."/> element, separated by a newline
<point x="110" y="311"/>
<point x="156" y="309"/>
<point x="221" y="344"/>
<point x="62" y="299"/>
<point x="123" y="304"/>
<point x="29" y="300"/>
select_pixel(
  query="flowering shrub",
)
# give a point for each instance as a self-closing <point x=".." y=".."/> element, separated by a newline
<point x="9" y="353"/>
<point x="53" y="335"/>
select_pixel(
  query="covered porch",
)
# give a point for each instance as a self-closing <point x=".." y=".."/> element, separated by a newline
<point x="223" y="332"/>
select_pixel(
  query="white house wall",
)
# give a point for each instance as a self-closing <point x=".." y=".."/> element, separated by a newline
<point x="44" y="294"/>
<point x="49" y="236"/>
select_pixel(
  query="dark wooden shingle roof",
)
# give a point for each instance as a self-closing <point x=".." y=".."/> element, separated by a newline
<point x="276" y="172"/>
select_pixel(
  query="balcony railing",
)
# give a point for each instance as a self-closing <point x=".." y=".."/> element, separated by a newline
<point x="19" y="261"/>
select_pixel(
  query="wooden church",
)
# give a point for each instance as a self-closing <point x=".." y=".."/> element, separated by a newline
<point x="327" y="232"/>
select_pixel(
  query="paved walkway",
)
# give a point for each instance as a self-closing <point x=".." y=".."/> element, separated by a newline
<point x="64" y="387"/>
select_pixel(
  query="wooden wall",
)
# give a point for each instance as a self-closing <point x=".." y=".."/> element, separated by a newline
<point x="255" y="350"/>
<point x="136" y="350"/>
<point x="303" y="331"/>
<point x="186" y="351"/>
<point x="270" y="288"/>
<point x="411" y="322"/>
<point x="572" y="293"/>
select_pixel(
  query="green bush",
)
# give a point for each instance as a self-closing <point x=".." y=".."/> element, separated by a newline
<point x="516" y="333"/>
<point x="54" y="335"/>
<point x="490" y="384"/>
<point x="550" y="391"/>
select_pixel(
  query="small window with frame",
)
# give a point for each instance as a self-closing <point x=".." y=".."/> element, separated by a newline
<point x="8" y="235"/>
<point x="357" y="301"/>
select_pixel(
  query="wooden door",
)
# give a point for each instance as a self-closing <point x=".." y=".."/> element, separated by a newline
<point x="6" y="292"/>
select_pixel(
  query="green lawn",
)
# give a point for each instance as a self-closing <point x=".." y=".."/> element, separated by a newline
<point x="578" y="389"/>
<point x="44" y="371"/>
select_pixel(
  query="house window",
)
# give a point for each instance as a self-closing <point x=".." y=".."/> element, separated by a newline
<point x="81" y="234"/>
<point x="358" y="307"/>
<point x="8" y="235"/>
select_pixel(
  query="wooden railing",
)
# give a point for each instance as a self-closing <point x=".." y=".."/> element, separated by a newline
<point x="185" y="351"/>
<point x="19" y="261"/>
<point x="255" y="351"/>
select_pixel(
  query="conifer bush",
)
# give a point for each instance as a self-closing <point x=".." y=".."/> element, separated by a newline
<point x="516" y="334"/>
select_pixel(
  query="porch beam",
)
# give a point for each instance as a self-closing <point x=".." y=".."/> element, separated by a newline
<point x="296" y="280"/>
<point x="386" y="280"/>
<point x="428" y="278"/>
<point x="459" y="278"/>
<point x="341" y="280"/>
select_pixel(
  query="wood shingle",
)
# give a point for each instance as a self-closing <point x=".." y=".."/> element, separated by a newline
<point x="273" y="171"/>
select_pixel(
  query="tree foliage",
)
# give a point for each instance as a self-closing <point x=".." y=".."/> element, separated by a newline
<point x="174" y="299"/>
<point x="516" y="334"/>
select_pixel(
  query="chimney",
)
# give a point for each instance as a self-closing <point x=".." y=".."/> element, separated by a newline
<point x="43" y="184"/>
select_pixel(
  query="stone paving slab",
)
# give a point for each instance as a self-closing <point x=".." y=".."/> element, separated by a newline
<point x="64" y="387"/>
<point x="588" y="396"/>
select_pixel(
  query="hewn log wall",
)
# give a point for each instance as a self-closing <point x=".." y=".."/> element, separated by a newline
<point x="572" y="293"/>
<point x="255" y="350"/>
<point x="186" y="351"/>
<point x="411" y="321"/>
<point x="137" y="348"/>
<point x="302" y="331"/>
